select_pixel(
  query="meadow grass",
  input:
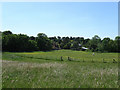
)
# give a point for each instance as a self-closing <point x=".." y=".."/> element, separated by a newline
<point x="46" y="70"/>
<point x="55" y="55"/>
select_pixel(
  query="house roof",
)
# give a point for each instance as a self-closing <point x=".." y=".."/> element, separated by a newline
<point x="84" y="48"/>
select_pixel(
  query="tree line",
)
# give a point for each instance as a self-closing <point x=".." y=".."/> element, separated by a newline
<point x="21" y="43"/>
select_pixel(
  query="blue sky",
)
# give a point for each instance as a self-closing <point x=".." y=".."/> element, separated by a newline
<point x="77" y="19"/>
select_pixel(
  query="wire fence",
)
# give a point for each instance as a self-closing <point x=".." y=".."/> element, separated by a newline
<point x="68" y="58"/>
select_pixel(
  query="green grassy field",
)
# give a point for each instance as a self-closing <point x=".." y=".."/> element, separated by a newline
<point x="46" y="70"/>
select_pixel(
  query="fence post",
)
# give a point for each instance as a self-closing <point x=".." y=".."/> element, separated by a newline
<point x="61" y="58"/>
<point x="69" y="59"/>
<point x="104" y="61"/>
<point x="114" y="61"/>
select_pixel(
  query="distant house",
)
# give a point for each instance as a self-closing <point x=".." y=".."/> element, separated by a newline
<point x="84" y="48"/>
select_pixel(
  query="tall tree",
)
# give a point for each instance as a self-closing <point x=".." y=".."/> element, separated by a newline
<point x="43" y="42"/>
<point x="117" y="43"/>
<point x="93" y="43"/>
<point x="7" y="32"/>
